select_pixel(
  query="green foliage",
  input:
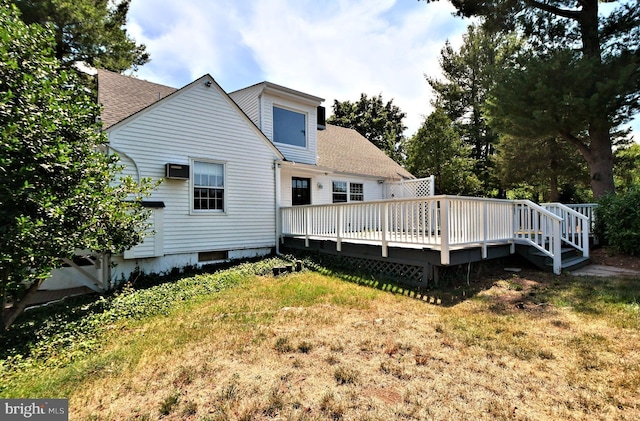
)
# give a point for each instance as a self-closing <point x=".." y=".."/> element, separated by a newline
<point x="545" y="164"/>
<point x="626" y="170"/>
<point x="618" y="220"/>
<point x="436" y="149"/>
<point x="58" y="188"/>
<point x="380" y="123"/>
<point x="468" y="77"/>
<point x="89" y="31"/>
<point x="577" y="76"/>
<point x="59" y="334"/>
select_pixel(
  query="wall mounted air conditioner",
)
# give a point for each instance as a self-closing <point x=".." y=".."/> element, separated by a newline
<point x="176" y="171"/>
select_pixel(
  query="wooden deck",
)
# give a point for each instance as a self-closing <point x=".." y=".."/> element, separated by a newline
<point x="439" y="227"/>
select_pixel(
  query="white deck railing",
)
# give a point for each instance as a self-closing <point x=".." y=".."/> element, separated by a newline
<point x="588" y="210"/>
<point x="575" y="227"/>
<point x="443" y="223"/>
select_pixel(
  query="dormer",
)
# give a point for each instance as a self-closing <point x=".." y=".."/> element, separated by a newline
<point x="289" y="118"/>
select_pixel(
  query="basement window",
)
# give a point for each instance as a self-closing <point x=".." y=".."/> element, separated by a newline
<point x="210" y="256"/>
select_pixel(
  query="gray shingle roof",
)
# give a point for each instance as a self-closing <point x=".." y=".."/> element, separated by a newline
<point x="122" y="96"/>
<point x="339" y="148"/>
<point x="346" y="150"/>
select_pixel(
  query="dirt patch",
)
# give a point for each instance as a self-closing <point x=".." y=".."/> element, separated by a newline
<point x="609" y="257"/>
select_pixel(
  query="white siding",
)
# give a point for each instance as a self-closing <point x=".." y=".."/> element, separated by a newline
<point x="324" y="195"/>
<point x="308" y="155"/>
<point x="201" y="123"/>
<point x="372" y="190"/>
<point x="152" y="244"/>
<point x="248" y="100"/>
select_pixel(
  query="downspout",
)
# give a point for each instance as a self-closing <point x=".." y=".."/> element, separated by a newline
<point x="277" y="204"/>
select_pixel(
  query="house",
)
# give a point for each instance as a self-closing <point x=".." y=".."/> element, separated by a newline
<point x="229" y="162"/>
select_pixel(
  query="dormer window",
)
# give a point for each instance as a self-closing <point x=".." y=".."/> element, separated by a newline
<point x="289" y="127"/>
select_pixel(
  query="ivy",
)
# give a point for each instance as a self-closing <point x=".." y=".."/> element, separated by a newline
<point x="56" y="335"/>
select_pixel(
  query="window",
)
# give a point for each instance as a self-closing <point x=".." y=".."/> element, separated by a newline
<point x="356" y="191"/>
<point x="339" y="191"/>
<point x="210" y="256"/>
<point x="289" y="127"/>
<point x="347" y="192"/>
<point x="300" y="191"/>
<point x="208" y="186"/>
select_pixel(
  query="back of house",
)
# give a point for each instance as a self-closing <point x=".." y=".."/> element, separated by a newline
<point x="227" y="162"/>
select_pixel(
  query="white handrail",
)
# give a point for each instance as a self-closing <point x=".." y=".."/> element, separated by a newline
<point x="575" y="226"/>
<point x="439" y="222"/>
<point x="588" y="210"/>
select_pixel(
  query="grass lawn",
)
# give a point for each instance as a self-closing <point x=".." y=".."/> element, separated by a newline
<point x="314" y="346"/>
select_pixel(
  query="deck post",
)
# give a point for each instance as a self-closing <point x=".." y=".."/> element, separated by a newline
<point x="485" y="229"/>
<point x="307" y="226"/>
<point x="444" y="232"/>
<point x="585" y="237"/>
<point x="557" y="252"/>
<point x="339" y="222"/>
<point x="383" y="227"/>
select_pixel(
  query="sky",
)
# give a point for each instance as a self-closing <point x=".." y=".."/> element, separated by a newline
<point x="333" y="49"/>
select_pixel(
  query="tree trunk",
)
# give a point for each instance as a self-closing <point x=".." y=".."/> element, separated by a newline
<point x="10" y="316"/>
<point x="600" y="160"/>
<point x="3" y="294"/>
<point x="600" y="156"/>
<point x="553" y="187"/>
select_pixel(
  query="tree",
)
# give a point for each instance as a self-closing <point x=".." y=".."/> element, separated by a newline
<point x="627" y="167"/>
<point x="380" y="123"/>
<point x="89" y="31"/>
<point x="468" y="75"/>
<point x="58" y="188"/>
<point x="436" y="149"/>
<point x="578" y="78"/>
<point x="545" y="163"/>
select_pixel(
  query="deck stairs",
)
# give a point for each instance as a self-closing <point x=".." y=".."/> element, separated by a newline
<point x="572" y="258"/>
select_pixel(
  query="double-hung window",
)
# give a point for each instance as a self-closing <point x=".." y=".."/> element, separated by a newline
<point x="339" y="191"/>
<point x="347" y="192"/>
<point x="356" y="192"/>
<point x="289" y="127"/>
<point x="208" y="186"/>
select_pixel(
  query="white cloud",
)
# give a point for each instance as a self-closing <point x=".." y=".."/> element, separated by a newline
<point x="351" y="49"/>
<point x="185" y="39"/>
<point x="335" y="49"/>
<point x="332" y="49"/>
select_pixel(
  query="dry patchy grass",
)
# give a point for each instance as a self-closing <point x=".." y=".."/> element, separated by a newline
<point x="312" y="347"/>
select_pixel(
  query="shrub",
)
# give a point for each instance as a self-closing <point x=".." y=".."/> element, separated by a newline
<point x="618" y="221"/>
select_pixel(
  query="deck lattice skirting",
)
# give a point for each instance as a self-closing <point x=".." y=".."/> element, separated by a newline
<point x="402" y="271"/>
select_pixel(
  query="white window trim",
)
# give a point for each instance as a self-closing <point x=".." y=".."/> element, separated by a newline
<point x="192" y="182"/>
<point x="306" y="123"/>
<point x="348" y="192"/>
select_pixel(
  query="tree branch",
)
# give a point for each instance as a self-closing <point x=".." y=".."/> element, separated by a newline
<point x="12" y="314"/>
<point x="584" y="149"/>
<point x="570" y="14"/>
